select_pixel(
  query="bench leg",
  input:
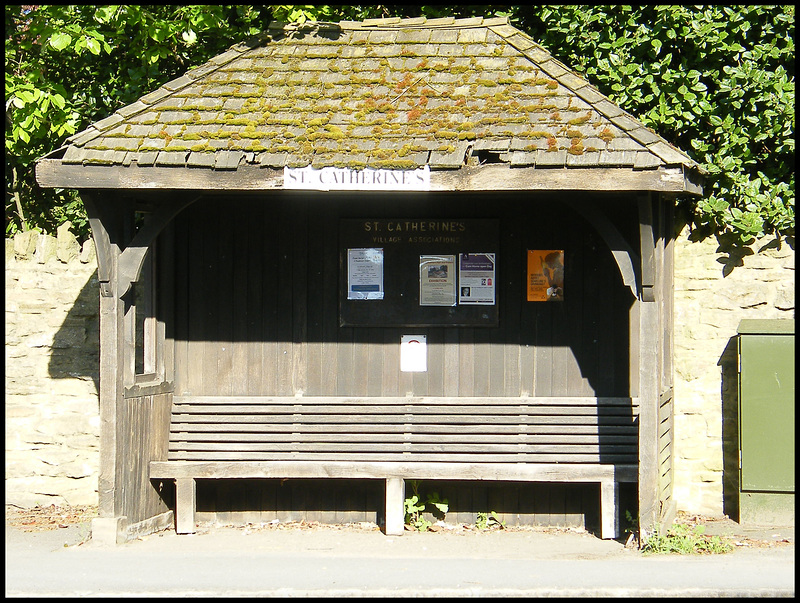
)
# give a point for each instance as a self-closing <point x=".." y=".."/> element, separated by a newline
<point x="185" y="504"/>
<point x="609" y="511"/>
<point x="395" y="509"/>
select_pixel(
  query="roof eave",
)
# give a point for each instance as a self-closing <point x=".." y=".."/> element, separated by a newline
<point x="677" y="179"/>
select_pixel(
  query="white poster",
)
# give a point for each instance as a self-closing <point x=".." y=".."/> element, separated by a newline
<point x="365" y="273"/>
<point x="476" y="279"/>
<point x="437" y="280"/>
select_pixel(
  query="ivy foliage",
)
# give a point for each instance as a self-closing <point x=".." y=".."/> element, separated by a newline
<point x="68" y="66"/>
<point x="716" y="81"/>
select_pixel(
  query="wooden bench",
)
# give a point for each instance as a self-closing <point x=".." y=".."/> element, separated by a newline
<point x="395" y="439"/>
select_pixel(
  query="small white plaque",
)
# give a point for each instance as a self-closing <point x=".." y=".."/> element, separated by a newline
<point x="413" y="354"/>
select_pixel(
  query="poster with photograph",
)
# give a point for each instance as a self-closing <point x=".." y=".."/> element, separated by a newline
<point x="545" y="275"/>
<point x="365" y="273"/>
<point x="476" y="279"/>
<point x="437" y="280"/>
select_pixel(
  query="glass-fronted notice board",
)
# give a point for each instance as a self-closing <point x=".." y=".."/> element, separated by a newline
<point x="418" y="272"/>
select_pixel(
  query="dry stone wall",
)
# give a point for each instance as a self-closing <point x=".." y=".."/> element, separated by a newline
<point x="52" y="363"/>
<point x="51" y="370"/>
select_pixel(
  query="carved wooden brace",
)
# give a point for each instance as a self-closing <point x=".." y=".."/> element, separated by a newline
<point x="648" y="247"/>
<point x="132" y="259"/>
<point x="624" y="255"/>
<point x="105" y="220"/>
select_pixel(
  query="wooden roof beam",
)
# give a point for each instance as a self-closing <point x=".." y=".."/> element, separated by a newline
<point x="51" y="173"/>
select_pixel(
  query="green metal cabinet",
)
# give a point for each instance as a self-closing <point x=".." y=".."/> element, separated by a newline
<point x="766" y="420"/>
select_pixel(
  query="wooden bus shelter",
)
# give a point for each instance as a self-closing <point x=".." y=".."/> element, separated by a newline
<point x="388" y="250"/>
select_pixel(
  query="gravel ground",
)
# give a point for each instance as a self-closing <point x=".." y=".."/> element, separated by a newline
<point x="49" y="553"/>
<point x="72" y="525"/>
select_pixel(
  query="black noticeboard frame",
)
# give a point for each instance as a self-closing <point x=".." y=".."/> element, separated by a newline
<point x="404" y="241"/>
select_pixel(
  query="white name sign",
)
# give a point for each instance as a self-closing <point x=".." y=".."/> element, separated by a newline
<point x="345" y="179"/>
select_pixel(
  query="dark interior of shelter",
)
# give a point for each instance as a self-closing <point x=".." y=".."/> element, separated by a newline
<point x="250" y="292"/>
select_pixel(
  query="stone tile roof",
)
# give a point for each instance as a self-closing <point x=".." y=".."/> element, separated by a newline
<point x="391" y="93"/>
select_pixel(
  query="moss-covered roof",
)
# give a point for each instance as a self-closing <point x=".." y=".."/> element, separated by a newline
<point x="391" y="93"/>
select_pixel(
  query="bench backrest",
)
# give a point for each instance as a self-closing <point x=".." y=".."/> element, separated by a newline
<point x="480" y="430"/>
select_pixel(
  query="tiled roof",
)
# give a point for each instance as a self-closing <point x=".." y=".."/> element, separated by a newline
<point x="392" y="93"/>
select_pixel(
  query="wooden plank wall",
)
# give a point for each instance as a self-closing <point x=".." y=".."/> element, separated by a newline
<point x="256" y="298"/>
<point x="143" y="435"/>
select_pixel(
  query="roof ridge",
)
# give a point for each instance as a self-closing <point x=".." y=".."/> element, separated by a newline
<point x="394" y="23"/>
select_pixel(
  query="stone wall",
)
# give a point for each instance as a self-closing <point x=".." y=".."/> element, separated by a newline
<point x="712" y="295"/>
<point x="51" y="370"/>
<point x="52" y="358"/>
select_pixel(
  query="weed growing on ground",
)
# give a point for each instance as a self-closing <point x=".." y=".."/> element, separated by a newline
<point x="684" y="540"/>
<point x="489" y="520"/>
<point x="414" y="507"/>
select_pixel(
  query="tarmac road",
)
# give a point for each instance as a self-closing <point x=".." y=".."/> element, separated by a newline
<point x="352" y="562"/>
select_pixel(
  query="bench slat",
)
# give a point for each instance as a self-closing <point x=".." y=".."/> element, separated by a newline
<point x="310" y="410"/>
<point x="399" y="456"/>
<point x="407" y="419"/>
<point x="470" y="470"/>
<point x="419" y="401"/>
<point x="412" y="447"/>
<point x="181" y="437"/>
<point x="588" y="428"/>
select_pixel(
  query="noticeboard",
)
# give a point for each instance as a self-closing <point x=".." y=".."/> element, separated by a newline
<point x="418" y="272"/>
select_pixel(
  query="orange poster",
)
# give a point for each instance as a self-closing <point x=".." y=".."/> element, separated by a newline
<point x="545" y="275"/>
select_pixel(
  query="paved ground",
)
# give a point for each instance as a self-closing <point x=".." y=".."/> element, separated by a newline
<point x="359" y="561"/>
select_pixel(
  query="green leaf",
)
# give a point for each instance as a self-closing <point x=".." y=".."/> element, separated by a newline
<point x="26" y="96"/>
<point x="60" y="41"/>
<point x="93" y="45"/>
<point x="189" y="37"/>
<point x="103" y="14"/>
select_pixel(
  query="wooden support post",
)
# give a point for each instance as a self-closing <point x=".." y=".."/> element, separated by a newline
<point x="112" y="220"/>
<point x="649" y="341"/>
<point x="185" y="505"/>
<point x="609" y="509"/>
<point x="648" y="419"/>
<point x="107" y="222"/>
<point x="395" y="511"/>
